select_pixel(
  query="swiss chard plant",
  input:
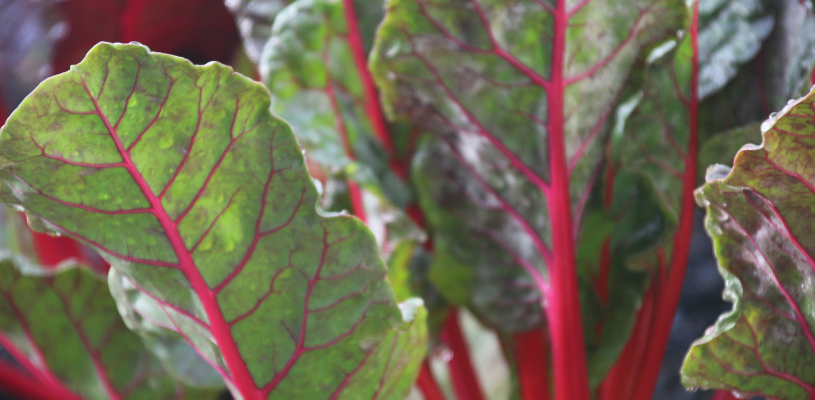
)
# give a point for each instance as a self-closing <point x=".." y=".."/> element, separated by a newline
<point x="530" y="161"/>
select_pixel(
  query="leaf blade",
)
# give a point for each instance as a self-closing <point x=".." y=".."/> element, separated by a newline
<point x="214" y="193"/>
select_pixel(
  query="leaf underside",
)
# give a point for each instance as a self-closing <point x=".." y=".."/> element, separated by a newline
<point x="200" y="198"/>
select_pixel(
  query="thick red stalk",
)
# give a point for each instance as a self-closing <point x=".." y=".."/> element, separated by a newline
<point x="669" y="299"/>
<point x="465" y="382"/>
<point x="18" y="384"/>
<point x="427" y="384"/>
<point x="563" y="310"/>
<point x="623" y="377"/>
<point x="532" y="362"/>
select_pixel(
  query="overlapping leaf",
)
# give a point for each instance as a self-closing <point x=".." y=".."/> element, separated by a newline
<point x="759" y="216"/>
<point x="200" y="198"/>
<point x="478" y="75"/>
<point x="64" y="330"/>
<point x="309" y="66"/>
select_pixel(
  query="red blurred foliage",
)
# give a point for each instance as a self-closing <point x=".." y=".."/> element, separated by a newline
<point x="200" y="30"/>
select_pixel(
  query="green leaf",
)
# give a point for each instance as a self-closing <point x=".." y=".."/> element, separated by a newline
<point x="759" y="215"/>
<point x="65" y="330"/>
<point x="722" y="148"/>
<point x="197" y="195"/>
<point x="309" y="66"/>
<point x="479" y="76"/>
<point x="780" y="71"/>
<point x="731" y="33"/>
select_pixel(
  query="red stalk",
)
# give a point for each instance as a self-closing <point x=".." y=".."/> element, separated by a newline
<point x="624" y="376"/>
<point x="18" y="384"/>
<point x="465" y="382"/>
<point x="723" y="395"/>
<point x="669" y="299"/>
<point x="532" y="361"/>
<point x="372" y="109"/>
<point x="563" y="311"/>
<point x="427" y="384"/>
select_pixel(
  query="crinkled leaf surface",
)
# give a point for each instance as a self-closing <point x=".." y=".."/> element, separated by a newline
<point x="200" y="198"/>
<point x="760" y="219"/>
<point x="479" y="75"/>
<point x="64" y="329"/>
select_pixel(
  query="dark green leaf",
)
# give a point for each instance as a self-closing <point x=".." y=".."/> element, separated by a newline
<point x="66" y="331"/>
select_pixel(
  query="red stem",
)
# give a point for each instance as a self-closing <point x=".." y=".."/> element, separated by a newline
<point x="375" y="115"/>
<point x="532" y="361"/>
<point x="623" y="377"/>
<point x="723" y="395"/>
<point x="563" y="311"/>
<point x="669" y="299"/>
<point x="427" y="384"/>
<point x="465" y="382"/>
<point x="18" y="384"/>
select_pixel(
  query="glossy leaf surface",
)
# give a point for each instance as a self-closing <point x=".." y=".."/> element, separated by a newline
<point x="65" y="331"/>
<point x="220" y="224"/>
<point x="759" y="216"/>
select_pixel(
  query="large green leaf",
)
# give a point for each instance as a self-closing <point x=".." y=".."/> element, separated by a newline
<point x="64" y="330"/>
<point x="504" y="86"/>
<point x="197" y="195"/>
<point x="760" y="218"/>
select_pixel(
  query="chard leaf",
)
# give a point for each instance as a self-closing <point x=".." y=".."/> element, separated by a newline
<point x="488" y="80"/>
<point x="197" y="195"/>
<point x="759" y="215"/>
<point x="64" y="331"/>
<point x="780" y="71"/>
<point x="315" y="66"/>
<point x="731" y="34"/>
<point x="310" y="66"/>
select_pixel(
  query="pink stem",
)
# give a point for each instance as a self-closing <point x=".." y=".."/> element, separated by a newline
<point x="16" y="383"/>
<point x="669" y="299"/>
<point x="464" y="379"/>
<point x="563" y="311"/>
<point x="532" y="361"/>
